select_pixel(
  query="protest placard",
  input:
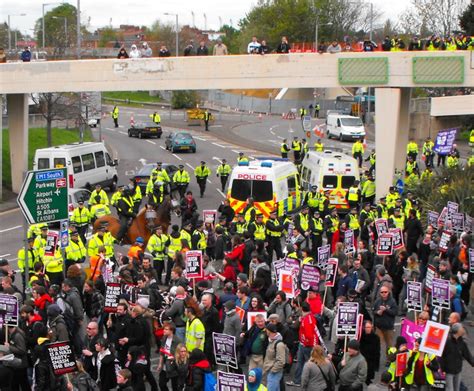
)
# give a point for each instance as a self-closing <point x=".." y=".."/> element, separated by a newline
<point x="194" y="264"/>
<point x="241" y="313"/>
<point x="411" y="331"/>
<point x="310" y="276"/>
<point x="51" y="243"/>
<point x="440" y="293"/>
<point x="471" y="260"/>
<point x="457" y="219"/>
<point x="385" y="244"/>
<point x="349" y="241"/>
<point x="397" y="239"/>
<point x="62" y="358"/>
<point x="331" y="272"/>
<point x="8" y="310"/>
<point x="324" y="252"/>
<point x="381" y="225"/>
<point x="230" y="381"/>
<point x="444" y="241"/>
<point x="225" y="351"/>
<point x="112" y="297"/>
<point x="401" y="364"/>
<point x="430" y="274"/>
<point x="346" y="321"/>
<point x="434" y="338"/>
<point x="452" y="207"/>
<point x="445" y="140"/>
<point x="432" y="218"/>
<point x="251" y="315"/>
<point x="286" y="283"/>
<point x="468" y="223"/>
<point x="209" y="216"/>
<point x="442" y="217"/>
<point x="414" y="296"/>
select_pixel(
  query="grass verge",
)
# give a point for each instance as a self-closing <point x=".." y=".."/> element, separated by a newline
<point x="140" y="96"/>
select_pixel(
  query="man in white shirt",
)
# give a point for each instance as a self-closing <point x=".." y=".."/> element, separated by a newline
<point x="253" y="46"/>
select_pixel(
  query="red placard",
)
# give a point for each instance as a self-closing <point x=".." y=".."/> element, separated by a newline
<point x="401" y="364"/>
<point x="385" y="244"/>
<point x="286" y="283"/>
<point x="241" y="313"/>
<point x="331" y="272"/>
<point x="194" y="264"/>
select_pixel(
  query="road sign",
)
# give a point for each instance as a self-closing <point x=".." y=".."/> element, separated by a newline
<point x="43" y="196"/>
<point x="307" y="122"/>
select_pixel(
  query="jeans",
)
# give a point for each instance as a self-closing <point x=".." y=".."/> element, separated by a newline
<point x="273" y="380"/>
<point x="452" y="382"/>
<point x="304" y="352"/>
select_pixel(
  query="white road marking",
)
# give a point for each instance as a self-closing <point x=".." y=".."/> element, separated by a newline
<point x="151" y="142"/>
<point x="272" y="132"/>
<point x="218" y="145"/>
<point x="177" y="157"/>
<point x="281" y="138"/>
<point x="125" y="133"/>
<point x="220" y="192"/>
<point x="189" y="165"/>
<point x="130" y="173"/>
<point x="200" y="138"/>
<point x="235" y="151"/>
<point x="216" y="158"/>
<point x="4" y="255"/>
<point x="10" y="229"/>
<point x="215" y="126"/>
<point x="208" y="181"/>
<point x="142" y="161"/>
<point x="111" y="129"/>
<point x="162" y="147"/>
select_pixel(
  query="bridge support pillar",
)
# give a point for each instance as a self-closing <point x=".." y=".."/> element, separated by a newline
<point x="17" y="105"/>
<point x="392" y="117"/>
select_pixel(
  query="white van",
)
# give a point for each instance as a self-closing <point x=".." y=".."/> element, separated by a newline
<point x="344" y="127"/>
<point x="271" y="182"/>
<point x="333" y="172"/>
<point x="87" y="164"/>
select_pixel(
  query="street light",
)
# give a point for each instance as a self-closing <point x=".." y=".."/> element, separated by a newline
<point x="316" y="32"/>
<point x="65" y="27"/>
<point x="42" y="22"/>
<point x="9" y="30"/>
<point x="177" y="32"/>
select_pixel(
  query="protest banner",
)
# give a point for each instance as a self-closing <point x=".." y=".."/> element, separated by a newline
<point x="401" y="364"/>
<point x="434" y="338"/>
<point x="291" y="264"/>
<point x="241" y="313"/>
<point x="286" y="283"/>
<point x="385" y="244"/>
<point x="411" y="331"/>
<point x="381" y="225"/>
<point x="346" y="321"/>
<point x="397" y="239"/>
<point x="469" y="223"/>
<point x="324" y="252"/>
<point x="51" y="243"/>
<point x="430" y="274"/>
<point x="444" y="241"/>
<point x="440" y="294"/>
<point x="452" y="207"/>
<point x="457" y="219"/>
<point x="471" y="260"/>
<point x="432" y="218"/>
<point x="444" y="141"/>
<point x="278" y="265"/>
<point x="414" y="296"/>
<point x="230" y="381"/>
<point x="194" y="264"/>
<point x="310" y="276"/>
<point x="112" y="297"/>
<point x="443" y="217"/>
<point x="225" y="350"/>
<point x="331" y="272"/>
<point x="8" y="310"/>
<point x="251" y="315"/>
<point x="349" y="241"/>
<point x="209" y="216"/>
<point x="62" y="358"/>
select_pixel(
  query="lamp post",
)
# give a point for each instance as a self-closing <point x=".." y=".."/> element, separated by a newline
<point x="316" y="32"/>
<point x="65" y="27"/>
<point x="10" y="32"/>
<point x="78" y="28"/>
<point x="42" y="22"/>
<point x="177" y="31"/>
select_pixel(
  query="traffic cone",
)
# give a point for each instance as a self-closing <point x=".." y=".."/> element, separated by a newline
<point x="132" y="121"/>
<point x="364" y="143"/>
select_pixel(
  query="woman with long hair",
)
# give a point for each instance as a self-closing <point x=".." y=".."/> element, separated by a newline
<point x="178" y="368"/>
<point x="137" y="364"/>
<point x="318" y="372"/>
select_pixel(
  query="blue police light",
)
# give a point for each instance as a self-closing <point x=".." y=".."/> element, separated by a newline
<point x="266" y="164"/>
<point x="244" y="163"/>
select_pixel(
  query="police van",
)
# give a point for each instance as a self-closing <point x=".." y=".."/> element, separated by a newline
<point x="333" y="172"/>
<point x="87" y="164"/>
<point x="273" y="183"/>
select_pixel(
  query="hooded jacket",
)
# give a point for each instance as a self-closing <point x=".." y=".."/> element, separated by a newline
<point x="198" y="366"/>
<point x="257" y="384"/>
<point x="274" y="357"/>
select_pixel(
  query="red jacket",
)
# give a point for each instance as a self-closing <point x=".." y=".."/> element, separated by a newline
<point x="307" y="331"/>
<point x="237" y="254"/>
<point x="315" y="304"/>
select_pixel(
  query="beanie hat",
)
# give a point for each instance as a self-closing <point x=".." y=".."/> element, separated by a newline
<point x="272" y="328"/>
<point x="243" y="277"/>
<point x="354" y="344"/>
<point x="53" y="310"/>
<point x="229" y="305"/>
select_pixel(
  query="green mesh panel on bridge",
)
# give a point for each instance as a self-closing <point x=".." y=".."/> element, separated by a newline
<point x="361" y="71"/>
<point x="438" y="70"/>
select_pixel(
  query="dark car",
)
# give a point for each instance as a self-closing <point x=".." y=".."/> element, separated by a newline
<point x="143" y="176"/>
<point x="145" y="129"/>
<point x="181" y="141"/>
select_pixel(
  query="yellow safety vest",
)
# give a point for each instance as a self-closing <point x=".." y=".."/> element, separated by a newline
<point x="174" y="245"/>
<point x="276" y="234"/>
<point x="75" y="251"/>
<point x="53" y="264"/>
<point x="186" y="235"/>
<point x="32" y="258"/>
<point x="181" y="177"/>
<point x="318" y="147"/>
<point x="398" y="221"/>
<point x="248" y="214"/>
<point x="318" y="224"/>
<point x="428" y="372"/>
<point x="39" y="245"/>
<point x="353" y="222"/>
<point x="369" y="188"/>
<point x="157" y="245"/>
<point x="100" y="210"/>
<point x="224" y="169"/>
<point x="334" y="224"/>
<point x="296" y="145"/>
<point x="240" y="227"/>
<point x="107" y="241"/>
<point x="115" y="198"/>
<point x="81" y="216"/>
<point x="160" y="175"/>
<point x="304" y="221"/>
<point x="202" y="242"/>
<point x="115" y="113"/>
<point x="353" y="194"/>
<point x="313" y="199"/>
<point x="259" y="233"/>
<point x="34" y="230"/>
<point x="452" y="161"/>
<point x="384" y="211"/>
<point x="357" y="147"/>
<point x="284" y="148"/>
<point x="103" y="197"/>
<point x="195" y="330"/>
<point x="412" y="148"/>
<point x="202" y="172"/>
<point x="307" y="260"/>
<point x="471" y="137"/>
<point x="372" y="159"/>
<point x="156" y="118"/>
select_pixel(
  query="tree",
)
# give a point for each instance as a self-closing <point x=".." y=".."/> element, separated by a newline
<point x="466" y="20"/>
<point x="107" y="34"/>
<point x="184" y="99"/>
<point x="231" y="38"/>
<point x="163" y="33"/>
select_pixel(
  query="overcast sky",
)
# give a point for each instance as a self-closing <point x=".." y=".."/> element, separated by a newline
<point x="145" y="12"/>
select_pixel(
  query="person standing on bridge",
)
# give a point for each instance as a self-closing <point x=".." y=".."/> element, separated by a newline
<point x="202" y="172"/>
<point x="284" y="149"/>
<point x="115" y="115"/>
<point x="223" y="171"/>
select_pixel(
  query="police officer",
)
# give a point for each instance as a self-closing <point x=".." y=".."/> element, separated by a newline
<point x="103" y="199"/>
<point x="352" y="222"/>
<point x="371" y="159"/>
<point x="40" y="242"/>
<point x="302" y="223"/>
<point x="274" y="233"/>
<point x="284" y="149"/>
<point x="116" y="196"/>
<point x="319" y="146"/>
<point x="317" y="229"/>
<point x="82" y="218"/>
<point x="223" y="171"/>
<point x="353" y="195"/>
<point x="115" y="115"/>
<point x="157" y="247"/>
<point x="312" y="199"/>
<point x="368" y="190"/>
<point x="317" y="109"/>
<point x="411" y="165"/>
<point x="412" y="149"/>
<point x="156" y="118"/>
<point x="296" y="147"/>
<point x="358" y="151"/>
<point x="136" y="194"/>
<point x="331" y="224"/>
<point x="181" y="180"/>
<point x="239" y="226"/>
<point x="202" y="172"/>
<point x="397" y="219"/>
<point x="160" y="174"/>
<point x="382" y="210"/>
<point x="257" y="229"/>
<point x="99" y="210"/>
<point x="242" y="158"/>
<point x="428" y="152"/>
<point x="207" y="117"/>
<point x="101" y="238"/>
<point x="250" y="211"/>
<point x="198" y="239"/>
<point x="304" y="148"/>
<point x="126" y="213"/>
<point x="32" y="259"/>
<point x="156" y="197"/>
<point x="75" y="251"/>
<point x="303" y="112"/>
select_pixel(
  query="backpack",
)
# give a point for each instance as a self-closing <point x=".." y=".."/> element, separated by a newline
<point x="209" y="382"/>
<point x="288" y="358"/>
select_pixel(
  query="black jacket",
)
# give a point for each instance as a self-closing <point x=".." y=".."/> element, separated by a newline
<point x="18" y="346"/>
<point x="386" y="321"/>
<point x="138" y="333"/>
<point x="454" y="351"/>
<point x="283" y="48"/>
<point x="370" y="349"/>
<point x="106" y="377"/>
